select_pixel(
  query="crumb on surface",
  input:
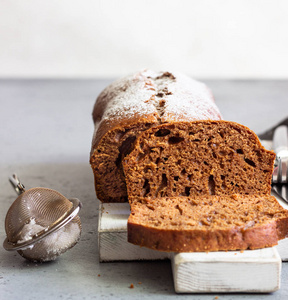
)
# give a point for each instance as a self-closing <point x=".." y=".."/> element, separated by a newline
<point x="139" y="282"/>
<point x="131" y="286"/>
<point x="99" y="275"/>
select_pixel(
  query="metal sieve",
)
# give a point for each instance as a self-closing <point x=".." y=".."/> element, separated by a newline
<point x="41" y="223"/>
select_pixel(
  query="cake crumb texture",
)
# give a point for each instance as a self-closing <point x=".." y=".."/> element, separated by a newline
<point x="207" y="223"/>
<point x="198" y="158"/>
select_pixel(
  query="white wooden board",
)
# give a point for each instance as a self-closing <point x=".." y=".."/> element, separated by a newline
<point x="256" y="271"/>
<point x="112" y="236"/>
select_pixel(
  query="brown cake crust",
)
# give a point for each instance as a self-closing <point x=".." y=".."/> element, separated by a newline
<point x="207" y="223"/>
<point x="130" y="106"/>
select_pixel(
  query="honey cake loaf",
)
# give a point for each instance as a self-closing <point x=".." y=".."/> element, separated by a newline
<point x="207" y="223"/>
<point x="198" y="158"/>
<point x="132" y="105"/>
<point x="188" y="181"/>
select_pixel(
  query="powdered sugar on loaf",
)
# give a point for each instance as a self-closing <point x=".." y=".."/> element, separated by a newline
<point x="169" y="96"/>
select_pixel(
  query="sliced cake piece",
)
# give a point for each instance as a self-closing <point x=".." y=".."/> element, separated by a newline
<point x="198" y="158"/>
<point x="207" y="223"/>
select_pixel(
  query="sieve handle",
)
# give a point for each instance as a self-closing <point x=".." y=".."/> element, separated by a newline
<point x="17" y="185"/>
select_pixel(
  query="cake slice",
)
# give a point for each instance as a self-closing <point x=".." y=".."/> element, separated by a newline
<point x="202" y="186"/>
<point x="198" y="158"/>
<point x="207" y="223"/>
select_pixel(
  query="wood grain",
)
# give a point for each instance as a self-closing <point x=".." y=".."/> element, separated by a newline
<point x="255" y="271"/>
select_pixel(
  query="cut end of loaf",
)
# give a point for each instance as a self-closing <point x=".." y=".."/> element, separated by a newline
<point x="207" y="223"/>
<point x="198" y="158"/>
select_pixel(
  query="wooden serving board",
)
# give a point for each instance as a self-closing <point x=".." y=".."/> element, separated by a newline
<point x="256" y="271"/>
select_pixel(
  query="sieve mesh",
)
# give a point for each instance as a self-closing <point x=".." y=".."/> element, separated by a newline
<point x="43" y="206"/>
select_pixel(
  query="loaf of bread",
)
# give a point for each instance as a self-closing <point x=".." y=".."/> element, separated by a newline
<point x="132" y="105"/>
<point x="202" y="186"/>
<point x="194" y="181"/>
<point x="207" y="223"/>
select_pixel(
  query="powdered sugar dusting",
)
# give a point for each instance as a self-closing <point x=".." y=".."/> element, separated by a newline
<point x="169" y="96"/>
<point x="53" y="244"/>
<point x="161" y="96"/>
<point x="189" y="100"/>
<point x="61" y="240"/>
<point x="129" y="96"/>
<point x="29" y="230"/>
